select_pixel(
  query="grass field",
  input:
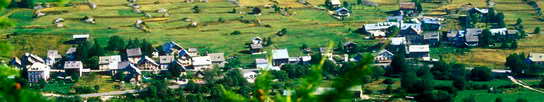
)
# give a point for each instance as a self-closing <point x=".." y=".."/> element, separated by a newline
<point x="104" y="82"/>
<point x="306" y="26"/>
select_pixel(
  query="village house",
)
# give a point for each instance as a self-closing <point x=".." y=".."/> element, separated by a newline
<point x="350" y="47"/>
<point x="394" y="19"/>
<point x="453" y="35"/>
<point x="165" y="61"/>
<point x="419" y="52"/>
<point x="262" y="63"/>
<point x="26" y="60"/>
<point x="184" y="59"/>
<point x="335" y="3"/>
<point x="217" y="59"/>
<point x="408" y="8"/>
<point x="398" y="41"/>
<point x="410" y="29"/>
<point x="432" y="38"/>
<point x="170" y="48"/>
<point x="431" y="24"/>
<point x="498" y="31"/>
<point x="80" y="38"/>
<point x="326" y="53"/>
<point x="74" y="67"/>
<point x="148" y="64"/>
<point x="280" y="57"/>
<point x="132" y="73"/>
<point x="472" y="36"/>
<point x="537" y="58"/>
<point x="414" y="39"/>
<point x="17" y="63"/>
<point x="480" y="11"/>
<point x="193" y="52"/>
<point x="377" y="34"/>
<point x="383" y="57"/>
<point x="250" y="75"/>
<point x="381" y="26"/>
<point x="202" y="63"/>
<point x="38" y="72"/>
<point x="256" y="45"/>
<point x="109" y="62"/>
<point x="342" y="12"/>
<point x="134" y="55"/>
<point x="52" y="57"/>
<point x="70" y="54"/>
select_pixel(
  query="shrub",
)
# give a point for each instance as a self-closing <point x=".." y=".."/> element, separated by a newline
<point x="236" y="33"/>
<point x="481" y="74"/>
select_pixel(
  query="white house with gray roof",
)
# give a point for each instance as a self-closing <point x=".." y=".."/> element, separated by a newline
<point x="280" y="57"/>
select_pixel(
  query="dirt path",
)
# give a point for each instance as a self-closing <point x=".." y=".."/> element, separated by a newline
<point x="518" y="82"/>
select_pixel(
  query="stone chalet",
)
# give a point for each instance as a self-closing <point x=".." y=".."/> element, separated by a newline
<point x="537" y="58"/>
<point x="280" y="57"/>
<point x="419" y="52"/>
<point x="38" y="72"/>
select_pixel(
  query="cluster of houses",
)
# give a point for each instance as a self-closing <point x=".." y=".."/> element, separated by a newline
<point x="134" y="63"/>
<point x="416" y="36"/>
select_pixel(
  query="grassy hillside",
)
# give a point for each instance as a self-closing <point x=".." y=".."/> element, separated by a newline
<point x="306" y="25"/>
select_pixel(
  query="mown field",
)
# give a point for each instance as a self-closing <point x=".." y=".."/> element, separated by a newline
<point x="306" y="25"/>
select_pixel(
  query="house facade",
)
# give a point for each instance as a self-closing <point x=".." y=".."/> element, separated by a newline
<point x="202" y="63"/>
<point x="38" y="72"/>
<point x="148" y="64"/>
<point x="419" y="52"/>
<point x="73" y="67"/>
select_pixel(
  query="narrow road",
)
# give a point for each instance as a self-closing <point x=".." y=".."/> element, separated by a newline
<point x="523" y="85"/>
<point x="112" y="93"/>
